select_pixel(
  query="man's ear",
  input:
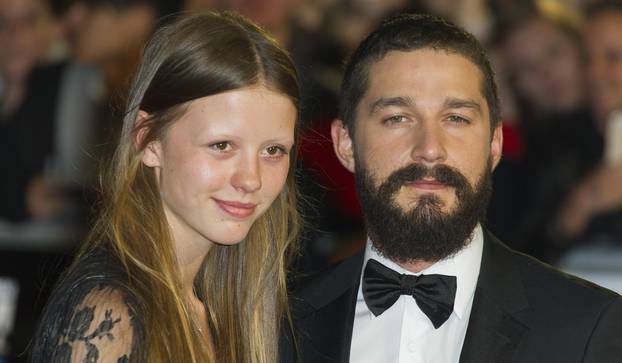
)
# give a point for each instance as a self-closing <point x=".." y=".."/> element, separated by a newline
<point x="342" y="143"/>
<point x="152" y="154"/>
<point x="496" y="145"/>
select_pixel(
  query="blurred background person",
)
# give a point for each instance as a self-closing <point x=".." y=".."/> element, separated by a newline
<point x="592" y="211"/>
<point x="56" y="108"/>
<point x="564" y="190"/>
<point x="108" y="35"/>
<point x="603" y="44"/>
<point x="34" y="206"/>
<point x="544" y="65"/>
<point x="27" y="29"/>
<point x="475" y="16"/>
<point x="277" y="16"/>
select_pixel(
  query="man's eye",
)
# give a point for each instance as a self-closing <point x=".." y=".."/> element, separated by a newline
<point x="394" y="119"/>
<point x="457" y="119"/>
<point x="220" y="146"/>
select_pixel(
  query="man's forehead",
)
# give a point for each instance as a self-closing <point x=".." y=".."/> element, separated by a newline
<point x="417" y="56"/>
<point x="399" y="71"/>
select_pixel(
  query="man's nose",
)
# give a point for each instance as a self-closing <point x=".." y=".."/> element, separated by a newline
<point x="429" y="145"/>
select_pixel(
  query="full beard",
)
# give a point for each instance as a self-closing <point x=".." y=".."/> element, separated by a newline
<point x="424" y="233"/>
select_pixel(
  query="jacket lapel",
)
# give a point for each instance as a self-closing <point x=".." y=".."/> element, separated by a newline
<point x="500" y="314"/>
<point x="325" y="313"/>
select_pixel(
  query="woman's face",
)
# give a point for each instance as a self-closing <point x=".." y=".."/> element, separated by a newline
<point x="223" y="163"/>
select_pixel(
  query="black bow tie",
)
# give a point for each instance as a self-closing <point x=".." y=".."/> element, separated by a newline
<point x="434" y="294"/>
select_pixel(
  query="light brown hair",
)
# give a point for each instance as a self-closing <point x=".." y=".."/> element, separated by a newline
<point x="242" y="286"/>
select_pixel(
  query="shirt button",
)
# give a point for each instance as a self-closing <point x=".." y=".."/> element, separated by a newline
<point x="412" y="346"/>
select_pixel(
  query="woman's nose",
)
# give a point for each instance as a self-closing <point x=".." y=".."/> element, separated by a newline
<point x="247" y="176"/>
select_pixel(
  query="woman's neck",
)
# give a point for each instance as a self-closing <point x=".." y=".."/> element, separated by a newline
<point x="190" y="267"/>
<point x="190" y="261"/>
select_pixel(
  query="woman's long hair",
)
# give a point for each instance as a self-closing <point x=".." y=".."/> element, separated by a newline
<point x="242" y="286"/>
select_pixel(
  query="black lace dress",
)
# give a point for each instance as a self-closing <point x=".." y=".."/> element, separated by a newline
<point x="90" y="316"/>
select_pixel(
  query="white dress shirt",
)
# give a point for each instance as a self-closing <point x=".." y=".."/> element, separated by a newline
<point x="403" y="333"/>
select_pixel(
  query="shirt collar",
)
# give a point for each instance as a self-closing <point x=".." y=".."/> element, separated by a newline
<point x="464" y="265"/>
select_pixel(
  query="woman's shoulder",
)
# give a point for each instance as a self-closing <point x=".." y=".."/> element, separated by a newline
<point x="97" y="274"/>
<point x="100" y="329"/>
<point x="90" y="316"/>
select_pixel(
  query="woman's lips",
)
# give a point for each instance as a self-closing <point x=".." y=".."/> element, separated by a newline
<point x="236" y="209"/>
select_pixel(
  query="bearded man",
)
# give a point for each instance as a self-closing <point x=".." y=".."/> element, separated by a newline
<point x="419" y="127"/>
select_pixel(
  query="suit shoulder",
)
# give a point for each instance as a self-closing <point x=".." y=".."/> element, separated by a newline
<point x="330" y="282"/>
<point x="542" y="275"/>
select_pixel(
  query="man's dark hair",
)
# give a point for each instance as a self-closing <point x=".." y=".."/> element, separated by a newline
<point x="409" y="32"/>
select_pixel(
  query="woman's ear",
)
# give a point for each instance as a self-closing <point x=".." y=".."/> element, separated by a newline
<point x="141" y="130"/>
<point x="152" y="154"/>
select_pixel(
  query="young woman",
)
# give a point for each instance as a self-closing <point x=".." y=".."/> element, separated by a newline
<point x="186" y="262"/>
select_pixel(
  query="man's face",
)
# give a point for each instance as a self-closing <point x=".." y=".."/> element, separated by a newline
<point x="422" y="142"/>
<point x="603" y="43"/>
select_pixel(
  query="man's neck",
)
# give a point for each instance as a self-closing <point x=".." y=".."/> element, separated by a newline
<point x="415" y="266"/>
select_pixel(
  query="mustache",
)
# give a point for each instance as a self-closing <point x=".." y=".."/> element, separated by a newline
<point x="414" y="172"/>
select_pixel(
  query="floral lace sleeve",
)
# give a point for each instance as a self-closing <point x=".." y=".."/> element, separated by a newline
<point x="99" y="331"/>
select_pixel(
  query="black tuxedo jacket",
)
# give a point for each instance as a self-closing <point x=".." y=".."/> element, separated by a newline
<point x="523" y="311"/>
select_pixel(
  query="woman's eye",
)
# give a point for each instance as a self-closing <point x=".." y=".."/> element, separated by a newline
<point x="221" y="146"/>
<point x="275" y="150"/>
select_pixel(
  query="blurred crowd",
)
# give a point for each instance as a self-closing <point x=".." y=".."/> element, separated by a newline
<point x="65" y="66"/>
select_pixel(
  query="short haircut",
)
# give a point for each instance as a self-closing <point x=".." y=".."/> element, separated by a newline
<point x="410" y="32"/>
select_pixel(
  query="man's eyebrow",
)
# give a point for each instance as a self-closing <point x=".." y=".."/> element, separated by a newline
<point x="451" y="103"/>
<point x="381" y="103"/>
